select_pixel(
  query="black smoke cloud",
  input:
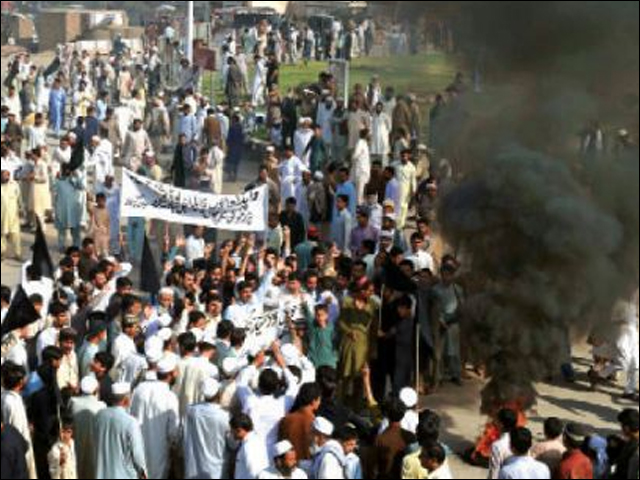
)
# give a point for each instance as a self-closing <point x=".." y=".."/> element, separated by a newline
<point x="552" y="238"/>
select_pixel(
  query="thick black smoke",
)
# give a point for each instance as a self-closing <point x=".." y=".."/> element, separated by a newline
<point x="553" y="237"/>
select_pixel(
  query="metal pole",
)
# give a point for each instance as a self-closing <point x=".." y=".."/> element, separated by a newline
<point x="190" y="33"/>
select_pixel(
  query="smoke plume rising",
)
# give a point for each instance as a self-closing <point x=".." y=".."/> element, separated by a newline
<point x="552" y="236"/>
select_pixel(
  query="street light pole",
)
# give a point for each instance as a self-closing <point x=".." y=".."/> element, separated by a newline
<point x="190" y="28"/>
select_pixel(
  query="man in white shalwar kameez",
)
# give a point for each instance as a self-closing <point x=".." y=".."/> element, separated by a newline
<point x="14" y="413"/>
<point x="302" y="139"/>
<point x="406" y="174"/>
<point x="193" y="371"/>
<point x="84" y="410"/>
<point x="264" y="408"/>
<point x="156" y="408"/>
<point x="625" y="317"/>
<point x="119" y="443"/>
<point x="206" y="436"/>
<point x="259" y="82"/>
<point x="216" y="169"/>
<point x="361" y="165"/>
<point x="100" y="162"/>
<point x="324" y="119"/>
<point x="381" y="127"/>
<point x="252" y="458"/>
<point x="290" y="169"/>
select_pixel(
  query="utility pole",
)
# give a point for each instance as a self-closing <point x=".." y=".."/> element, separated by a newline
<point x="190" y="28"/>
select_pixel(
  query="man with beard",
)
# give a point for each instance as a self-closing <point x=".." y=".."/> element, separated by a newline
<point x="156" y="408"/>
<point x="286" y="464"/>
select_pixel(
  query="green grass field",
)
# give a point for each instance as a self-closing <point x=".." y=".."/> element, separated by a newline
<point x="424" y="75"/>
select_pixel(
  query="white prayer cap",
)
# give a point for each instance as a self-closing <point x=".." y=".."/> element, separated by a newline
<point x="409" y="397"/>
<point x="72" y="136"/>
<point x="422" y="147"/>
<point x="271" y="149"/>
<point x="390" y="216"/>
<point x="154" y="355"/>
<point x="209" y="388"/>
<point x="291" y="355"/>
<point x="121" y="389"/>
<point x="282" y="448"/>
<point x="165" y="320"/>
<point x="165" y="334"/>
<point x="323" y="426"/>
<point x="179" y="259"/>
<point x="96" y="139"/>
<point x="167" y="365"/>
<point x="89" y="385"/>
<point x="153" y="343"/>
<point x="319" y="176"/>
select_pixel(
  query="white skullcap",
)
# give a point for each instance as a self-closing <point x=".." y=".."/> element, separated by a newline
<point x="390" y="216"/>
<point x="409" y="397"/>
<point x="167" y="365"/>
<point x="121" y="389"/>
<point x="152" y="344"/>
<point x="96" y="138"/>
<point x="165" y="334"/>
<point x="154" y="355"/>
<point x="209" y="388"/>
<point x="319" y="176"/>
<point x="89" y="385"/>
<point x="323" y="426"/>
<point x="271" y="149"/>
<point x="623" y="133"/>
<point x="179" y="259"/>
<point x="282" y="448"/>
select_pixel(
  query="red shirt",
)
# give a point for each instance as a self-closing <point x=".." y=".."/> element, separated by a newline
<point x="575" y="465"/>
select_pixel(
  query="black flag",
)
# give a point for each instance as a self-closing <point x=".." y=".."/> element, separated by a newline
<point x="41" y="265"/>
<point x="21" y="313"/>
<point x="77" y="156"/>
<point x="52" y="68"/>
<point x="149" y="276"/>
